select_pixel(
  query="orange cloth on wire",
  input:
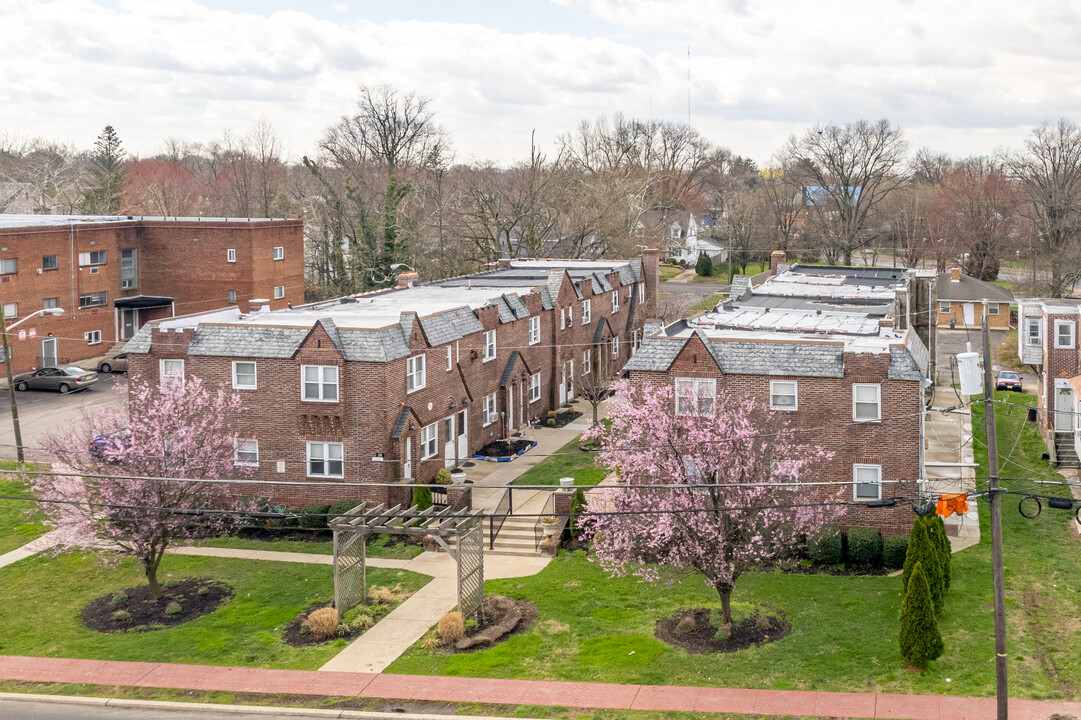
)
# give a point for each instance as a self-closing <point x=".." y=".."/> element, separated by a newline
<point x="952" y="503"/>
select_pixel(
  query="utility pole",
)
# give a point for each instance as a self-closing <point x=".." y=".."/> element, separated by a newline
<point x="996" y="523"/>
<point x="11" y="388"/>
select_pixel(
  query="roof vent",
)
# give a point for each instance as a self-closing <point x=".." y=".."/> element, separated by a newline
<point x="347" y="300"/>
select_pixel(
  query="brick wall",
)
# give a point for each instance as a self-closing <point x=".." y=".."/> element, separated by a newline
<point x="1058" y="363"/>
<point x="957" y="314"/>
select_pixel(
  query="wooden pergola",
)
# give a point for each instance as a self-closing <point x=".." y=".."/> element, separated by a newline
<point x="352" y="529"/>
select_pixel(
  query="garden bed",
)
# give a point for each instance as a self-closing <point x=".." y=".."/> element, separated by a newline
<point x="702" y="637"/>
<point x="504" y="450"/>
<point x="563" y="418"/>
<point x="132" y="611"/>
<point x="295" y="633"/>
<point x="498" y="609"/>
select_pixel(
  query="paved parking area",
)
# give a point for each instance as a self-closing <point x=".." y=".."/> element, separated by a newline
<point x="42" y="412"/>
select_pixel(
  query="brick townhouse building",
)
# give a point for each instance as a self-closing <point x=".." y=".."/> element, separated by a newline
<point x="839" y="374"/>
<point x="1047" y="341"/>
<point x="111" y="275"/>
<point x="962" y="300"/>
<point x="393" y="385"/>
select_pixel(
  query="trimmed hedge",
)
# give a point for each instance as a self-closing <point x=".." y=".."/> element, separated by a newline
<point x="894" y="549"/>
<point x="864" y="546"/>
<point x="827" y="546"/>
<point x="341" y="508"/>
<point x="314" y="517"/>
<point x="422" y="497"/>
<point x="578" y="505"/>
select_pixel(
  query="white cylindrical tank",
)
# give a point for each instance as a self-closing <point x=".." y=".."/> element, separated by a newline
<point x="968" y="367"/>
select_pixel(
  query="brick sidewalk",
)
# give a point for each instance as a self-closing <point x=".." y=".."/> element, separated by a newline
<point x="516" y="692"/>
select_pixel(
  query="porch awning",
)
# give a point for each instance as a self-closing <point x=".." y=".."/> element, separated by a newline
<point x="143" y="301"/>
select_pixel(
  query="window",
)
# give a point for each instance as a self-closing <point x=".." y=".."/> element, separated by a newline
<point x="866" y="402"/>
<point x="587" y="361"/>
<point x="230" y="255"/>
<point x="8" y="266"/>
<point x="782" y="395"/>
<point x="51" y="303"/>
<point x="320" y="383"/>
<point x="11" y="311"/>
<point x="674" y="232"/>
<point x="867" y="482"/>
<point x="128" y="269"/>
<point x="90" y="300"/>
<point x="96" y="257"/>
<point x="570" y="317"/>
<point x="246" y="452"/>
<point x="641" y="294"/>
<point x="244" y="375"/>
<point x="489" y="411"/>
<point x="489" y="345"/>
<point x="172" y="371"/>
<point x="784" y="472"/>
<point x="93" y="337"/>
<point x="450" y="358"/>
<point x="615" y="347"/>
<point x="279" y="292"/>
<point x="48" y="262"/>
<point x="534" y="330"/>
<point x="562" y="318"/>
<point x="943" y="306"/>
<point x="414" y="373"/>
<point x="325" y="459"/>
<point x="429" y="441"/>
<point x="1064" y="333"/>
<point x="695" y="396"/>
<point x="1032" y="333"/>
<point x="992" y="308"/>
<point x="279" y="253"/>
<point x="231" y="297"/>
<point x="586" y="315"/>
<point x="534" y="387"/>
<point x="615" y="300"/>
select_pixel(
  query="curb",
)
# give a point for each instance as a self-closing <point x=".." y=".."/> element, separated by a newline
<point x="234" y="709"/>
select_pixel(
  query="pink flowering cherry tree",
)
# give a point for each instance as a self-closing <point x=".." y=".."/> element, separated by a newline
<point x="120" y="495"/>
<point x="742" y="507"/>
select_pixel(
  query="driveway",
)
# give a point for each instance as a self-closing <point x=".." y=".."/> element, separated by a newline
<point x="42" y="412"/>
<point x="951" y="342"/>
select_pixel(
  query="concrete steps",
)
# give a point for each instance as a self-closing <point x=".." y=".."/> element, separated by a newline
<point x="515" y="538"/>
<point x="1065" y="453"/>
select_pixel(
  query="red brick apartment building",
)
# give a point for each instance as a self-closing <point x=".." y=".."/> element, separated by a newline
<point x="1047" y="340"/>
<point x="112" y="275"/>
<point x="829" y="365"/>
<point x="394" y="385"/>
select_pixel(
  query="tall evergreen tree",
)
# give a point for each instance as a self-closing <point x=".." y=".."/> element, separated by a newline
<point x="920" y="639"/>
<point x="102" y="196"/>
<point x="938" y="534"/>
<point x="704" y="266"/>
<point x="922" y="550"/>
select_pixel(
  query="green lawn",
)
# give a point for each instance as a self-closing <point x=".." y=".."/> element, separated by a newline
<point x="669" y="271"/>
<point x="705" y="305"/>
<point x="568" y="461"/>
<point x="377" y="548"/>
<point x="720" y="272"/>
<point x="44" y="599"/>
<point x="844" y="629"/>
<point x="20" y="522"/>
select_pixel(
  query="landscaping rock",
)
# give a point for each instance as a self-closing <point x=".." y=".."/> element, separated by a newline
<point x="496" y="606"/>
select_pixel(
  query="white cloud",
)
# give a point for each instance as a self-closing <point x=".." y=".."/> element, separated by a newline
<point x="962" y="77"/>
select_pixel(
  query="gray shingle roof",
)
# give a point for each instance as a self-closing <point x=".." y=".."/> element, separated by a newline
<point x="751" y="358"/>
<point x="140" y="341"/>
<point x="241" y="341"/>
<point x="451" y="325"/>
<point x="374" y="346"/>
<point x="555" y="279"/>
<point x="910" y="362"/>
<point x="655" y="354"/>
<point x="399" y="426"/>
<point x="332" y="331"/>
<point x="509" y="369"/>
<point x="969" y="289"/>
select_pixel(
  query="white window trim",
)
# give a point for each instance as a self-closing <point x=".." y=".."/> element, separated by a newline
<point x="795" y="395"/>
<point x="534" y="384"/>
<point x="433" y="441"/>
<point x="696" y="384"/>
<point x="855" y="481"/>
<point x="450" y="358"/>
<point x="89" y="337"/>
<point x="992" y="308"/>
<point x="587" y="361"/>
<point x="1031" y="339"/>
<point x="416" y="367"/>
<point x="490" y="409"/>
<point x="321" y="382"/>
<point x="236" y="453"/>
<point x="326" y="459"/>
<point x="615" y="300"/>
<point x="164" y="377"/>
<point x="279" y="253"/>
<point x="490" y="345"/>
<point x="943" y="306"/>
<point x="14" y="313"/>
<point x="534" y="330"/>
<point x="587" y="312"/>
<point x="255" y="373"/>
<point x="279" y="292"/>
<point x="1073" y="339"/>
<point x="615" y="346"/>
<point x="230" y="255"/>
<point x="562" y="318"/>
<point x="878" y="391"/>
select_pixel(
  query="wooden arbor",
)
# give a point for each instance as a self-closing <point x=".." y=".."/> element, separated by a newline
<point x="351" y="533"/>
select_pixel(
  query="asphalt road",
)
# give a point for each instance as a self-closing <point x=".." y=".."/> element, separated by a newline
<point x="25" y="710"/>
<point x="42" y="412"/>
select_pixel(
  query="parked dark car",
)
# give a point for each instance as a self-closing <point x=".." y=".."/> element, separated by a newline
<point x="108" y="442"/>
<point x="1008" y="380"/>
<point x="63" y="379"/>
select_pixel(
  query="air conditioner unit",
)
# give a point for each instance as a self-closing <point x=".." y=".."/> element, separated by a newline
<point x="93" y="271"/>
<point x="40" y="271"/>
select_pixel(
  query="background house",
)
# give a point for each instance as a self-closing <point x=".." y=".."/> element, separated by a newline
<point x="1047" y="340"/>
<point x="962" y="298"/>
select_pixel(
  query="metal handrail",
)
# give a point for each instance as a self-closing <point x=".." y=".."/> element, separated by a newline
<point x="549" y="509"/>
<point x="499" y="516"/>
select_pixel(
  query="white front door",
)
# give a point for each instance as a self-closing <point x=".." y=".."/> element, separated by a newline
<point x="563" y="385"/>
<point x="463" y="437"/>
<point x="1064" y="410"/>
<point x="510" y="409"/>
<point x="449" y="438"/>
<point x="407" y="461"/>
<point x="570" y="380"/>
<point x="970" y="313"/>
<point x="48" y="351"/>
<point x="129" y="323"/>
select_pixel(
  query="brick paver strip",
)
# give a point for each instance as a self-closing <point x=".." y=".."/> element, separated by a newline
<point x="519" y="692"/>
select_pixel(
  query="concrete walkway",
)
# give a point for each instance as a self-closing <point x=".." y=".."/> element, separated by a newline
<point x="383" y="644"/>
<point x="518" y="692"/>
<point x="950" y="466"/>
<point x="28" y="550"/>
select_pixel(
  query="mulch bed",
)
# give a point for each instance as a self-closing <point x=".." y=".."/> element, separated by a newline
<point x="505" y="448"/>
<point x="834" y="570"/>
<point x="293" y="635"/>
<point x="564" y="418"/>
<point x="701" y="638"/>
<point x="303" y="535"/>
<point x="148" y="615"/>
<point x="496" y="608"/>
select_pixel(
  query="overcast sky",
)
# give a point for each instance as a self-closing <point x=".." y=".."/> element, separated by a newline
<point x="959" y="76"/>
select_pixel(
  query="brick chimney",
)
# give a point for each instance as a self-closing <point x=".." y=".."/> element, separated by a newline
<point x="885" y="322"/>
<point x="258" y="305"/>
<point x="776" y="258"/>
<point x="651" y="277"/>
<point x="955" y="274"/>
<point x="406" y="279"/>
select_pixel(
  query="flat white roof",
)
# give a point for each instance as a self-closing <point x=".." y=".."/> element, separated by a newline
<point x="748" y="318"/>
<point x="12" y="220"/>
<point x="878" y="343"/>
